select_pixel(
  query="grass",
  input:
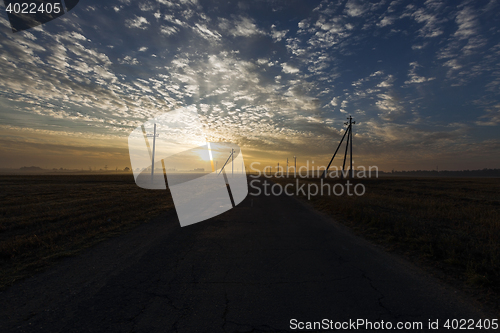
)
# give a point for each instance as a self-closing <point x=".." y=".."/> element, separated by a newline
<point x="450" y="224"/>
<point x="43" y="218"/>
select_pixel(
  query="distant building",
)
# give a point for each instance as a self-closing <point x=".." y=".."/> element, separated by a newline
<point x="199" y="170"/>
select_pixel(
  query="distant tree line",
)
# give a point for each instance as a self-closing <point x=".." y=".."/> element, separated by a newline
<point x="35" y="168"/>
<point x="445" y="173"/>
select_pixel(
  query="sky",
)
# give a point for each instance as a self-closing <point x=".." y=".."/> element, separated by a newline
<point x="279" y="78"/>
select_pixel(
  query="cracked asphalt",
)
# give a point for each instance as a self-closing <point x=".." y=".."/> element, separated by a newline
<point x="251" y="269"/>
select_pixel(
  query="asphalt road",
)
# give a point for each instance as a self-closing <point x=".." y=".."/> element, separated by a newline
<point x="252" y="269"/>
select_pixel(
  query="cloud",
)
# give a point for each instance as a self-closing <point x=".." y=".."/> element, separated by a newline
<point x="387" y="83"/>
<point x="419" y="47"/>
<point x="289" y="69"/>
<point x="467" y="24"/>
<point x="128" y="60"/>
<point x="139" y="22"/>
<point x="355" y="8"/>
<point x="168" y="30"/>
<point x="491" y="118"/>
<point x="377" y="73"/>
<point x="146" y="6"/>
<point x="464" y="43"/>
<point x="428" y="16"/>
<point x="413" y="77"/>
<point x="390" y="106"/>
<point x="386" y="20"/>
<point x="240" y="27"/>
<point x="206" y="33"/>
<point x="278" y="35"/>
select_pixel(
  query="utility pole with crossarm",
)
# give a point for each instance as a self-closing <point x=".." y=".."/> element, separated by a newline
<point x="348" y="133"/>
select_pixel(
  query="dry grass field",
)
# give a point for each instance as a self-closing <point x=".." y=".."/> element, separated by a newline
<point x="451" y="224"/>
<point x="43" y="218"/>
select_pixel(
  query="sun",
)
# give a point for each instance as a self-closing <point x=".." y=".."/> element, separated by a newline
<point x="203" y="155"/>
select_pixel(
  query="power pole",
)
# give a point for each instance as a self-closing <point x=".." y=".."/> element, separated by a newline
<point x="153" y="154"/>
<point x="350" y="154"/>
<point x="348" y="133"/>
<point x="349" y="140"/>
<point x="295" y="170"/>
<point x="287" y="167"/>
<point x="346" y="150"/>
<point x="232" y="160"/>
<point x="229" y="158"/>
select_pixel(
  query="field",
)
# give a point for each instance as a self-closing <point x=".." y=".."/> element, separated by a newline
<point x="451" y="225"/>
<point x="44" y="218"/>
